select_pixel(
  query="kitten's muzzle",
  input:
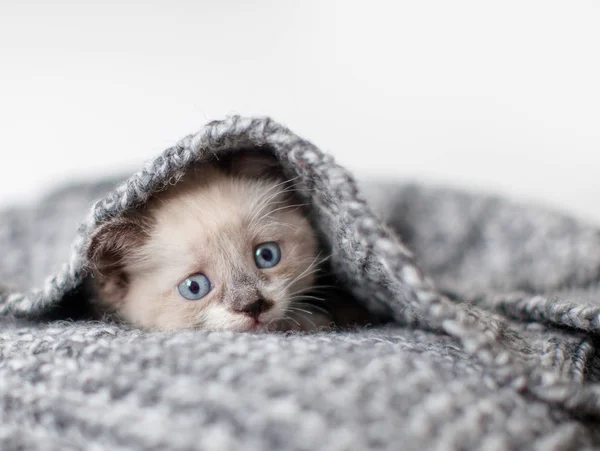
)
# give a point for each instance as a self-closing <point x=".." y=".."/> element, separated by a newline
<point x="256" y="307"/>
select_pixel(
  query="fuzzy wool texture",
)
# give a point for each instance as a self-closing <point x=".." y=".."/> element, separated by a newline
<point x="491" y="344"/>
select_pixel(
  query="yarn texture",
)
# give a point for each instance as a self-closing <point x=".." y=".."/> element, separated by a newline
<point x="491" y="343"/>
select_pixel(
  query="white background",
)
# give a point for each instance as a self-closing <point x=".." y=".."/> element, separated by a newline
<point x="497" y="96"/>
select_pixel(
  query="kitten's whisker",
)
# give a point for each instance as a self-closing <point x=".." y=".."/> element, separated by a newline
<point x="307" y="296"/>
<point x="324" y="259"/>
<point x="312" y="288"/>
<point x="260" y="210"/>
<point x="277" y="185"/>
<point x="292" y="319"/>
<point x="300" y="300"/>
<point x="311" y="306"/>
<point x="269" y="191"/>
<point x="297" y="309"/>
<point x="277" y="222"/>
<point x="307" y="318"/>
<point x="270" y="212"/>
<point x="303" y="273"/>
<point x="258" y="231"/>
<point x="274" y="222"/>
<point x="288" y="206"/>
<point x="286" y="181"/>
<point x="285" y="224"/>
<point x="263" y="203"/>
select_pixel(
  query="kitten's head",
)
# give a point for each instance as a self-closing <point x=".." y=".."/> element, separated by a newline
<point x="221" y="250"/>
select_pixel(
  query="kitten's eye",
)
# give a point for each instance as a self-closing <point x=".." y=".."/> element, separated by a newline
<point x="267" y="255"/>
<point x="194" y="287"/>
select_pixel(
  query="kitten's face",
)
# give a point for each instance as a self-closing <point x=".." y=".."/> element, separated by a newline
<point x="218" y="253"/>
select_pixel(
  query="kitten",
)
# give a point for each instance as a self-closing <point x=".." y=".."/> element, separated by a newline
<point x="226" y="248"/>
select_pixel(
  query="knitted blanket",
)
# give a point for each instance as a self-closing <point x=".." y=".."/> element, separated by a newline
<point x="491" y="341"/>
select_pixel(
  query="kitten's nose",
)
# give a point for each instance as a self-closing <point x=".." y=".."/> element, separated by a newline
<point x="256" y="307"/>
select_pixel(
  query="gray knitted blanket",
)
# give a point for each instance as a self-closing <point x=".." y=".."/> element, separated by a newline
<point x="491" y="341"/>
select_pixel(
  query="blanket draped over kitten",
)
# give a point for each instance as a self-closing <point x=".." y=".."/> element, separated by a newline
<point x="473" y="320"/>
<point x="226" y="248"/>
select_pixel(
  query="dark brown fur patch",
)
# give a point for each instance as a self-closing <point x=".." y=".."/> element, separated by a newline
<point x="252" y="164"/>
<point x="107" y="251"/>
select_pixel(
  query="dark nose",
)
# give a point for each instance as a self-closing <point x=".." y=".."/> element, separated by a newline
<point x="256" y="307"/>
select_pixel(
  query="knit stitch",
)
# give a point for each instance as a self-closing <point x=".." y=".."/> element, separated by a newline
<point x="492" y="306"/>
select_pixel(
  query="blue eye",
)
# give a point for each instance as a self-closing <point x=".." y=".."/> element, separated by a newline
<point x="267" y="255"/>
<point x="194" y="287"/>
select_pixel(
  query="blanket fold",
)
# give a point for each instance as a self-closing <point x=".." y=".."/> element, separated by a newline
<point x="493" y="309"/>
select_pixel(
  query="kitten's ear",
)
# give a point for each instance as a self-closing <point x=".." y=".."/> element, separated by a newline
<point x="107" y="250"/>
<point x="254" y="164"/>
